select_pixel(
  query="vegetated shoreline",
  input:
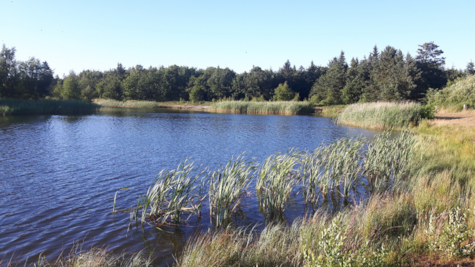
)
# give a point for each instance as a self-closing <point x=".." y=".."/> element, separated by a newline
<point x="439" y="190"/>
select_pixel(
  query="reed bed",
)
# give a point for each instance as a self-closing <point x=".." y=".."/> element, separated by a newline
<point x="277" y="107"/>
<point x="127" y="104"/>
<point x="275" y="182"/>
<point x="383" y="115"/>
<point x="227" y="187"/>
<point x="333" y="176"/>
<point x="332" y="171"/>
<point x="173" y="193"/>
<point x="44" y="107"/>
<point x="148" y="104"/>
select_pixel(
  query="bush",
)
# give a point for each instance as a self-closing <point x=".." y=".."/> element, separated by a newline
<point x="456" y="94"/>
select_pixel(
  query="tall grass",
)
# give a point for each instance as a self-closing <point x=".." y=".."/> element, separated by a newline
<point x="332" y="170"/>
<point x="383" y="115"/>
<point x="146" y="104"/>
<point x="387" y="160"/>
<point x="456" y="95"/>
<point x="44" y="107"/>
<point x="227" y="187"/>
<point x="173" y="193"/>
<point x="278" y="107"/>
<point x="127" y="104"/>
<point x="275" y="182"/>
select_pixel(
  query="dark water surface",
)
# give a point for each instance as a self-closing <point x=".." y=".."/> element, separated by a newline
<point x="59" y="174"/>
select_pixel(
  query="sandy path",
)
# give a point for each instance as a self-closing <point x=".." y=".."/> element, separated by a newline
<point x="464" y="119"/>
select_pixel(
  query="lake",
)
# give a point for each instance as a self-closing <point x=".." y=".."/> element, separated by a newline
<point x="59" y="174"/>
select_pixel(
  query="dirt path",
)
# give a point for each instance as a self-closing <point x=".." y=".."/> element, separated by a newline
<point x="463" y="119"/>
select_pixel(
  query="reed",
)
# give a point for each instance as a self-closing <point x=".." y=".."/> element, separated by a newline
<point x="277" y="107"/>
<point x="44" y="107"/>
<point x="275" y="182"/>
<point x="227" y="187"/>
<point x="387" y="159"/>
<point x="147" y="104"/>
<point x="174" y="192"/>
<point x="383" y="115"/>
<point x="332" y="171"/>
<point x="127" y="104"/>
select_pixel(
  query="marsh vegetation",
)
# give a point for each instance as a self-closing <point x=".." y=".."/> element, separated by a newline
<point x="277" y="107"/>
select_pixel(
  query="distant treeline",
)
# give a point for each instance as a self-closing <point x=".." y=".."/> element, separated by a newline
<point x="384" y="75"/>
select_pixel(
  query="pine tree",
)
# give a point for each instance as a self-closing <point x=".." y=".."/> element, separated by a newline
<point x="470" y="68"/>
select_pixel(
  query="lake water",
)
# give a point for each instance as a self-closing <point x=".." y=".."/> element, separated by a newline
<point x="59" y="174"/>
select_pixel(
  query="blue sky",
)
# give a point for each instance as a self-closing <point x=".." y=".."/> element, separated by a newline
<point x="78" y="35"/>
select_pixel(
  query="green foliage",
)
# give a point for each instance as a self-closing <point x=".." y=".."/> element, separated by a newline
<point x="283" y="93"/>
<point x="70" y="88"/>
<point x="332" y="250"/>
<point x="462" y="91"/>
<point x="448" y="232"/>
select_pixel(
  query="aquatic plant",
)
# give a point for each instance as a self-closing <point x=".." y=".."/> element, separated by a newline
<point x="277" y="107"/>
<point x="387" y="159"/>
<point x="227" y="187"/>
<point x="331" y="170"/>
<point x="174" y="192"/>
<point x="275" y="182"/>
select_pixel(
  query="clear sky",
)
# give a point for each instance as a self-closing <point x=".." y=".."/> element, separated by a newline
<point x="78" y="35"/>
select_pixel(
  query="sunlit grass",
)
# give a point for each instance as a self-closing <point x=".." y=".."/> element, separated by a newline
<point x="382" y="115"/>
<point x="277" y="107"/>
<point x="147" y="104"/>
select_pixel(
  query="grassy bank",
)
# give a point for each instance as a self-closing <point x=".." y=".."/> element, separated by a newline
<point x="278" y="107"/>
<point x="384" y="115"/>
<point x="44" y="107"/>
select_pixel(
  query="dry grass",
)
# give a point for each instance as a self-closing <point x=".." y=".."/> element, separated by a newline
<point x="447" y="117"/>
<point x="382" y="115"/>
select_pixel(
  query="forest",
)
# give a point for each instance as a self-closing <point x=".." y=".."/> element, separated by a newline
<point x="386" y="75"/>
